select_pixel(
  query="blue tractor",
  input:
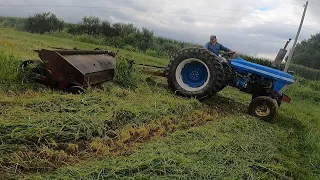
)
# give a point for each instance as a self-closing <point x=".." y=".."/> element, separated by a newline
<point x="198" y="73"/>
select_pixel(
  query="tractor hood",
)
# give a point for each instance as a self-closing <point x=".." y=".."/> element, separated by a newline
<point x="245" y="66"/>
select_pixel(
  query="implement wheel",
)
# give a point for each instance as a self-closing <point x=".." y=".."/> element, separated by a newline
<point x="36" y="66"/>
<point x="76" y="90"/>
<point x="195" y="72"/>
<point x="265" y="108"/>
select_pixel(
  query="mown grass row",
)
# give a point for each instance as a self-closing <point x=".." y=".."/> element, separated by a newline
<point x="235" y="146"/>
<point x="41" y="129"/>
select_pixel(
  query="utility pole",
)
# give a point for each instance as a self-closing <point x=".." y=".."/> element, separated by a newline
<point x="295" y="41"/>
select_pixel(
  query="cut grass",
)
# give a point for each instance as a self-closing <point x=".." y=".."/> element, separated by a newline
<point x="102" y="134"/>
<point x="57" y="120"/>
<point x="233" y="147"/>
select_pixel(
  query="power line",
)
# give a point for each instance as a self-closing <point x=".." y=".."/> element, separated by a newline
<point x="276" y="2"/>
<point x="314" y="2"/>
<point x="312" y="29"/>
<point x="216" y="8"/>
<point x="290" y="2"/>
<point x="146" y="10"/>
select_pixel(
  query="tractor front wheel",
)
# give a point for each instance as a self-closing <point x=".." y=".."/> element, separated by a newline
<point x="265" y="108"/>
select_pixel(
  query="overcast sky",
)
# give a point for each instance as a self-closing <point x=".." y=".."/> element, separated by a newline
<point x="241" y="25"/>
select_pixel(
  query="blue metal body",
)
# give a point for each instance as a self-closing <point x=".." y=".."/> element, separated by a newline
<point x="280" y="79"/>
<point x="252" y="78"/>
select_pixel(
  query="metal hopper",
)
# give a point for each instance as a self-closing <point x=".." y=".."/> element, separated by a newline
<point x="72" y="70"/>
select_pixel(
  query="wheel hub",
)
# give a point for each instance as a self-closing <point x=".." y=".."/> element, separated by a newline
<point x="263" y="110"/>
<point x="192" y="74"/>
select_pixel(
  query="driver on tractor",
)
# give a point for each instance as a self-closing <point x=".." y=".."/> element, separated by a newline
<point x="215" y="47"/>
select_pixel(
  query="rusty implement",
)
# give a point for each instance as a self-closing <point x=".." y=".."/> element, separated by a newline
<point x="72" y="70"/>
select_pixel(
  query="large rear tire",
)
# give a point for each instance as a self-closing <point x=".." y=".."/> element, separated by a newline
<point x="196" y="73"/>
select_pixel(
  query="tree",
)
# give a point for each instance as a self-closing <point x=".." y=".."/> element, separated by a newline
<point x="307" y="53"/>
<point x="43" y="22"/>
<point x="144" y="39"/>
<point x="106" y="28"/>
<point x="91" y="25"/>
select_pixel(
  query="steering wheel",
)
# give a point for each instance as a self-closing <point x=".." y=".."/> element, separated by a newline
<point x="228" y="55"/>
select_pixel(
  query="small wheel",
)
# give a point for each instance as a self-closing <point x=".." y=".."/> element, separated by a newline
<point x="76" y="90"/>
<point x="32" y="70"/>
<point x="278" y="102"/>
<point x="265" y="108"/>
<point x="36" y="66"/>
<point x="25" y="63"/>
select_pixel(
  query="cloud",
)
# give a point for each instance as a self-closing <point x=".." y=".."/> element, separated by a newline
<point x="254" y="27"/>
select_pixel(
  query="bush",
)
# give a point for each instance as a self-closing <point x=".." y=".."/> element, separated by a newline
<point x="60" y="34"/>
<point x="12" y="22"/>
<point x="43" y="22"/>
<point x="129" y="48"/>
<point x="89" y="39"/>
<point x="309" y="73"/>
<point x="151" y="53"/>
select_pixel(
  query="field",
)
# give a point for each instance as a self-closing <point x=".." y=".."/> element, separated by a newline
<point x="144" y="131"/>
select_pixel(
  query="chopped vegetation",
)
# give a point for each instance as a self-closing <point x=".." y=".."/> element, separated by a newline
<point x="126" y="75"/>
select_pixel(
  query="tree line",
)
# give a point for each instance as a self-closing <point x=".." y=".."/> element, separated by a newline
<point x="119" y="35"/>
<point x="307" y="52"/>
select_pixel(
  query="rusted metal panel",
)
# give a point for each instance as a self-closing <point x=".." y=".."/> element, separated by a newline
<point x="91" y="63"/>
<point x="98" y="77"/>
<point x="64" y="68"/>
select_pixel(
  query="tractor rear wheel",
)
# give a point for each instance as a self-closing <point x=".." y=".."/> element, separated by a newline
<point x="265" y="108"/>
<point x="196" y="73"/>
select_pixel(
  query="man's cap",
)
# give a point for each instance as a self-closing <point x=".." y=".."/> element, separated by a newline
<point x="212" y="37"/>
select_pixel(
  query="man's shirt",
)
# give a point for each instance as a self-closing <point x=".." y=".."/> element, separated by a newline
<point x="215" y="48"/>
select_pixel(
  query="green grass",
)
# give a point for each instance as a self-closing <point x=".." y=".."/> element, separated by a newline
<point x="142" y="130"/>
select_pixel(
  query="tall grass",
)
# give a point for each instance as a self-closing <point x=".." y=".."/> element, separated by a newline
<point x="85" y="38"/>
<point x="8" y="67"/>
